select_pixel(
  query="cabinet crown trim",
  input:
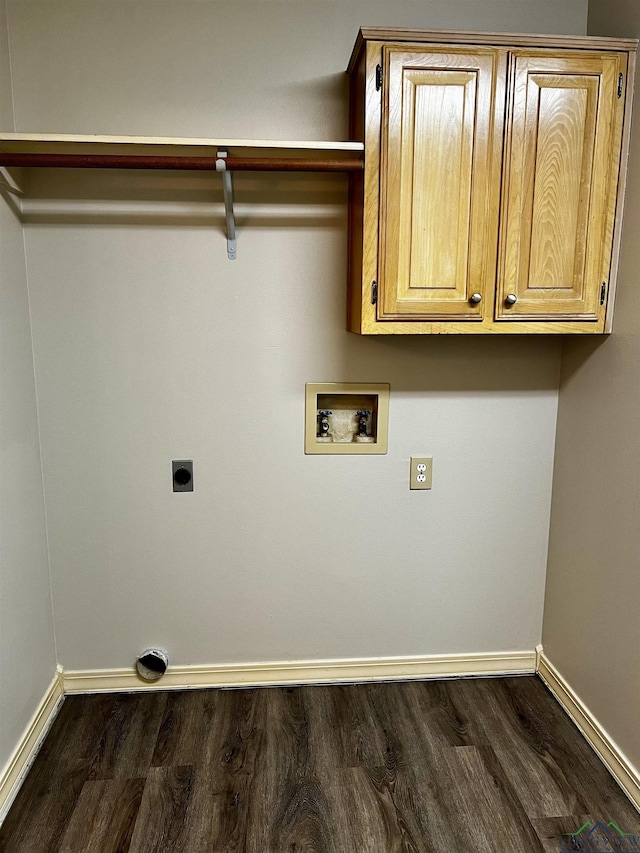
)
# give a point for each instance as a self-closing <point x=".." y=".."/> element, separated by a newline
<point x="399" y="34"/>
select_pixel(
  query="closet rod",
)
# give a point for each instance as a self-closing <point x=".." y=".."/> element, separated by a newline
<point x="135" y="161"/>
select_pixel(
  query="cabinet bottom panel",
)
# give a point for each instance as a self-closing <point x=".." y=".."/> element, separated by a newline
<point x="487" y="327"/>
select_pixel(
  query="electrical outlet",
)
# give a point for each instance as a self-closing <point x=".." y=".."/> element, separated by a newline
<point x="182" y="471"/>
<point x="420" y="473"/>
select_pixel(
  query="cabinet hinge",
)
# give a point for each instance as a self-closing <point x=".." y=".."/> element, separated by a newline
<point x="378" y="77"/>
<point x="603" y="292"/>
<point x="620" y="85"/>
<point x="374" y="292"/>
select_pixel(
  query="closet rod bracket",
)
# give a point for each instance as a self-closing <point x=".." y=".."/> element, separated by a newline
<point x="227" y="192"/>
<point x="8" y="183"/>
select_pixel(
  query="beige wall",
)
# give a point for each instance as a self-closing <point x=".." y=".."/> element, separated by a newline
<point x="591" y="627"/>
<point x="27" y="653"/>
<point x="150" y="345"/>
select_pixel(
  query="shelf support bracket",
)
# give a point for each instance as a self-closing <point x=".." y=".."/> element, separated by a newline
<point x="8" y="184"/>
<point x="227" y="192"/>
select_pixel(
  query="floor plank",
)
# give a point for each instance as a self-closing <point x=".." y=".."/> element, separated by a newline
<point x="182" y="730"/>
<point x="163" y="822"/>
<point x="126" y="746"/>
<point x="104" y="816"/>
<point x="420" y="767"/>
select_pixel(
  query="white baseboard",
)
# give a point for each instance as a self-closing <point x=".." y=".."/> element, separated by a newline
<point x="622" y="770"/>
<point x="304" y="672"/>
<point x="25" y="752"/>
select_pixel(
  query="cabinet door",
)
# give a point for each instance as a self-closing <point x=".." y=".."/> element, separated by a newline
<point x="441" y="146"/>
<point x="562" y="158"/>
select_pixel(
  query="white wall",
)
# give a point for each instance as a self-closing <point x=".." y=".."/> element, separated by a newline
<point x="591" y="627"/>
<point x="27" y="653"/>
<point x="150" y="345"/>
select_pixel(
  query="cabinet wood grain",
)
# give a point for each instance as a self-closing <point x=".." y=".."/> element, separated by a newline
<point x="491" y="198"/>
<point x="561" y="170"/>
<point x="440" y="133"/>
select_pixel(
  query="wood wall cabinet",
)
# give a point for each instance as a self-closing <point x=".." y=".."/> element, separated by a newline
<point x="492" y="191"/>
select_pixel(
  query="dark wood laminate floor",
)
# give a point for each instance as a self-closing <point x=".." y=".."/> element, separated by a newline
<point x="489" y="765"/>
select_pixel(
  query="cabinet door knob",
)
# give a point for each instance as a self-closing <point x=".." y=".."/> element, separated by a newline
<point x="475" y="297"/>
<point x="511" y="299"/>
